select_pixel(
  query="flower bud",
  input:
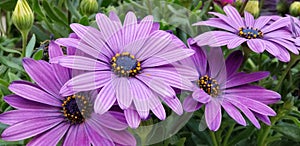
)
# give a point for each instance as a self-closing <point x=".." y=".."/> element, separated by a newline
<point x="253" y="7"/>
<point x="89" y="7"/>
<point x="22" y="16"/>
<point x="295" y="9"/>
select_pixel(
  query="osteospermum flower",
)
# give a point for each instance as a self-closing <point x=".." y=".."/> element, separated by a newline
<point x="130" y="63"/>
<point x="260" y="34"/>
<point x="41" y="112"/>
<point x="295" y="31"/>
<point x="218" y="84"/>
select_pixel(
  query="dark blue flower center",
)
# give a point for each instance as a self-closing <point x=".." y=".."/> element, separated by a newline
<point x="250" y="33"/>
<point x="125" y="65"/>
<point x="76" y="108"/>
<point x="209" y="85"/>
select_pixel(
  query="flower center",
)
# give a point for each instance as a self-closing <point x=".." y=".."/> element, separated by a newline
<point x="209" y="85"/>
<point x="250" y="33"/>
<point x="125" y="65"/>
<point x="76" y="108"/>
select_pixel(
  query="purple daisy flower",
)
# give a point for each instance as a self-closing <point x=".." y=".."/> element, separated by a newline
<point x="218" y="84"/>
<point x="130" y="63"/>
<point x="260" y="34"/>
<point x="295" y="30"/>
<point x="48" y="117"/>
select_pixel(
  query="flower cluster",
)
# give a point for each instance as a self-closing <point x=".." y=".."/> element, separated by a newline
<point x="134" y="66"/>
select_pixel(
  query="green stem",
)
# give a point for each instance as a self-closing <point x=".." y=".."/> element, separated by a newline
<point x="213" y="138"/>
<point x="293" y="60"/>
<point x="243" y="7"/>
<point x="228" y="134"/>
<point x="24" y="42"/>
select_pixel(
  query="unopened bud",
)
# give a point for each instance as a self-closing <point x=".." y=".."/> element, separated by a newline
<point x="253" y="7"/>
<point x="295" y="9"/>
<point x="22" y="16"/>
<point x="89" y="7"/>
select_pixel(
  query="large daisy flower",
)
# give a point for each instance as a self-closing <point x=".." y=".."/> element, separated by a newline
<point x="41" y="112"/>
<point x="218" y="84"/>
<point x="130" y="63"/>
<point x="260" y="34"/>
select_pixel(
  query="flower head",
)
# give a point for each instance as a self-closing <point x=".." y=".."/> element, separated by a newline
<point x="218" y="84"/>
<point x="260" y="34"/>
<point x="22" y="16"/>
<point x="41" y="112"/>
<point x="89" y="7"/>
<point x="130" y="63"/>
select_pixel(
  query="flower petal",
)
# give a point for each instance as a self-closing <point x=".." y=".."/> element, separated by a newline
<point x="285" y="21"/>
<point x="201" y="96"/>
<point x="214" y="38"/>
<point x="216" y="22"/>
<point x="245" y="78"/>
<point x="105" y="99"/>
<point x="213" y="115"/>
<point x="233" y="112"/>
<point x="256" y="106"/>
<point x="256" y="45"/>
<point x="249" y="19"/>
<point x="141" y="94"/>
<point x="32" y="92"/>
<point x="42" y="73"/>
<point x="236" y="42"/>
<point x="132" y="118"/>
<point x="190" y="104"/>
<point x="174" y="103"/>
<point x="233" y="63"/>
<point x="157" y="108"/>
<point x="234" y="15"/>
<point x="123" y="94"/>
<point x="261" y="22"/>
<point x="110" y="121"/>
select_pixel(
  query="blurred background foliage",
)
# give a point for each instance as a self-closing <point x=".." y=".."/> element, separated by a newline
<point x="52" y="19"/>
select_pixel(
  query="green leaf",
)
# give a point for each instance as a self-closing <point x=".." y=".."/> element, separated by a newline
<point x="242" y="135"/>
<point x="12" y="77"/>
<point x="51" y="14"/>
<point x="84" y="21"/>
<point x="72" y="9"/>
<point x="4" y="83"/>
<point x="39" y="33"/>
<point x="11" y="64"/>
<point x="38" y="55"/>
<point x="9" y="50"/>
<point x="37" y="9"/>
<point x="62" y="15"/>
<point x="30" y="46"/>
<point x="8" y="5"/>
<point x="290" y="131"/>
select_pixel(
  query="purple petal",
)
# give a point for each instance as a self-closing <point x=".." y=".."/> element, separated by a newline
<point x="190" y="104"/>
<point x="216" y="22"/>
<point x="234" y="15"/>
<point x="245" y="78"/>
<point x="105" y="99"/>
<point x="236" y="42"/>
<point x="123" y="94"/>
<point x="129" y="28"/>
<point x="167" y="57"/>
<point x="287" y="44"/>
<point x="32" y="92"/>
<point x="122" y="137"/>
<point x="80" y="63"/>
<point x="245" y="110"/>
<point x="199" y="57"/>
<point x="261" y="22"/>
<point x="215" y="38"/>
<point x="157" y="108"/>
<point x="256" y="45"/>
<point x="257" y="106"/>
<point x="174" y="103"/>
<point x="233" y="62"/>
<point x="29" y="128"/>
<point x="188" y="71"/>
<point x="217" y="65"/>
<point x="61" y="73"/>
<point x="92" y="37"/>
<point x="42" y="73"/>
<point x="132" y="118"/>
<point x="157" y="41"/>
<point x="284" y="55"/>
<point x="75" y="43"/>
<point x="22" y="103"/>
<point x="226" y="19"/>
<point x="233" y="112"/>
<point x="76" y="136"/>
<point x="272" y="48"/>
<point x="169" y="76"/>
<point x="156" y="85"/>
<point x="110" y="121"/>
<point x="94" y="137"/>
<point x="201" y="96"/>
<point x="111" y="30"/>
<point x="276" y="25"/>
<point x="141" y="94"/>
<point x="51" y="137"/>
<point x="213" y="115"/>
<point x="249" y="19"/>
<point x="85" y="82"/>
<point x="255" y="93"/>
<point x="114" y="17"/>
<point x="16" y="116"/>
<point x="263" y="118"/>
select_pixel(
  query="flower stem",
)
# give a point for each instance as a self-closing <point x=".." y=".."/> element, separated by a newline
<point x="213" y="138"/>
<point x="243" y="7"/>
<point x="293" y="60"/>
<point x="24" y="42"/>
<point x="228" y="134"/>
